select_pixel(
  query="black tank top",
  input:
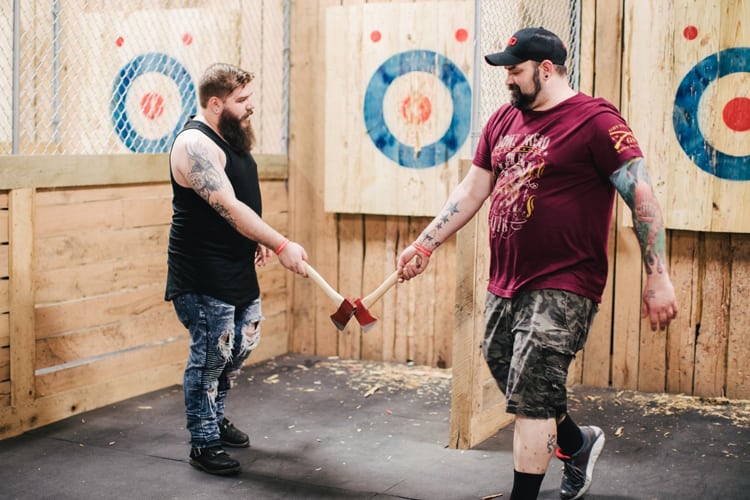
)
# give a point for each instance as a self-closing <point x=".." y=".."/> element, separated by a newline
<point x="206" y="255"/>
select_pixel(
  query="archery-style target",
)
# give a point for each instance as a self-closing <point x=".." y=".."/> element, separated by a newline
<point x="152" y="97"/>
<point x="700" y="139"/>
<point x="398" y="104"/>
<point x="691" y="114"/>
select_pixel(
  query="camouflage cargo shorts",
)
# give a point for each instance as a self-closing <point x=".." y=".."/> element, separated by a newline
<point x="529" y="342"/>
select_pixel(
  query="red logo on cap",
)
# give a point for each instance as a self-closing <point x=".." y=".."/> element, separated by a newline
<point x="512" y="41"/>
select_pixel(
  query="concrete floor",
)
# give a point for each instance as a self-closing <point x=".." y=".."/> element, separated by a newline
<point x="336" y="429"/>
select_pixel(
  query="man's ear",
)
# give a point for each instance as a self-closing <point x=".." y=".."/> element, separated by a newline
<point x="214" y="104"/>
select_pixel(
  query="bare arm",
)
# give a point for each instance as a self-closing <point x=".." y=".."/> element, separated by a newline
<point x="464" y="201"/>
<point x="632" y="182"/>
<point x="198" y="164"/>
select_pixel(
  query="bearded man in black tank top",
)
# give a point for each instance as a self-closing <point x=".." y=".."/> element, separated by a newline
<point x="217" y="238"/>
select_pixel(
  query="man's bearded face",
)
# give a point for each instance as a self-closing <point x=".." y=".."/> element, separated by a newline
<point x="238" y="132"/>
<point x="522" y="100"/>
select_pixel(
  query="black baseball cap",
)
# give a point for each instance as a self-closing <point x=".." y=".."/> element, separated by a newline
<point x="530" y="44"/>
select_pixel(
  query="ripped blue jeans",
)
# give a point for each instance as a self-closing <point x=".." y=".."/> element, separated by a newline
<point x="222" y="337"/>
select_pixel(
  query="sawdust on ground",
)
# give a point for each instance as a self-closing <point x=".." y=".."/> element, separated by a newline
<point x="736" y="411"/>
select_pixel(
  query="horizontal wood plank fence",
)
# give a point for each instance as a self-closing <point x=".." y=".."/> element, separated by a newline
<point x="83" y="321"/>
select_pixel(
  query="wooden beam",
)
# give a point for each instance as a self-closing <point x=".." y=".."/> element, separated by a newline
<point x="21" y="296"/>
<point x="50" y="171"/>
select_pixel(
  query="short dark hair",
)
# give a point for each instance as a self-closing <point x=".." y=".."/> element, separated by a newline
<point x="220" y="80"/>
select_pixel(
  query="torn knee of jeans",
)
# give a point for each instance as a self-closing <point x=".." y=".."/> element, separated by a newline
<point x="211" y="394"/>
<point x="226" y="344"/>
<point x="232" y="378"/>
<point x="250" y="337"/>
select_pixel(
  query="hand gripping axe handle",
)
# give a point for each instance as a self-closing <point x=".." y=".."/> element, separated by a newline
<point x="346" y="307"/>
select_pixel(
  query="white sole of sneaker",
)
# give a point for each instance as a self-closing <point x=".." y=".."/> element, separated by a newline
<point x="596" y="450"/>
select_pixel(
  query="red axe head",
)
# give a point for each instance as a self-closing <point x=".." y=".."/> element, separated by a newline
<point x="366" y="320"/>
<point x="344" y="313"/>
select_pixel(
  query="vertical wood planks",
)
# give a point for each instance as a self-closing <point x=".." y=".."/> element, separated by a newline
<point x="738" y="346"/>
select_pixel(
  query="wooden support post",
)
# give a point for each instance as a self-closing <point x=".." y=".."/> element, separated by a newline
<point x="21" y="296"/>
<point x="477" y="405"/>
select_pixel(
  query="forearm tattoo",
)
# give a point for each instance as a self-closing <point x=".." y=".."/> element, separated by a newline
<point x="429" y="235"/>
<point x="633" y="183"/>
<point x="205" y="180"/>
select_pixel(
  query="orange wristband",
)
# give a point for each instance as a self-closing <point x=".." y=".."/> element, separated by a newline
<point x="419" y="248"/>
<point x="281" y="246"/>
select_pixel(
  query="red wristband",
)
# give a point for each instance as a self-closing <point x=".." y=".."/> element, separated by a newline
<point x="281" y="246"/>
<point x="419" y="248"/>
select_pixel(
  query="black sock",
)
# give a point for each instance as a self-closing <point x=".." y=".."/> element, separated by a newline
<point x="569" y="437"/>
<point x="525" y="485"/>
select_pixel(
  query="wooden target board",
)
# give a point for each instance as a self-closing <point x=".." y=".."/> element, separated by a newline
<point x="687" y="75"/>
<point x="135" y="75"/>
<point x="398" y="105"/>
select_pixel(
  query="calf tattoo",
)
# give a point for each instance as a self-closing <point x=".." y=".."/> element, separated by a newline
<point x="551" y="443"/>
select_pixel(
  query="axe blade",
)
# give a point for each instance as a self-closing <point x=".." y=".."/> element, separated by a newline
<point x="344" y="313"/>
<point x="363" y="315"/>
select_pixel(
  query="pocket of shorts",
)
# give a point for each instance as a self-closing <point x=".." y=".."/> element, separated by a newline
<point x="582" y="324"/>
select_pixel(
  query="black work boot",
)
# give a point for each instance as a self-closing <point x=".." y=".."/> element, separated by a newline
<point x="214" y="460"/>
<point x="232" y="436"/>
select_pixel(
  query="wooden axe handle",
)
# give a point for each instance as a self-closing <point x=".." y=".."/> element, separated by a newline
<point x="380" y="291"/>
<point x="328" y="289"/>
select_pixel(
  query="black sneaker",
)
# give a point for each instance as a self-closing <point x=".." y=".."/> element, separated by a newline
<point x="214" y="460"/>
<point x="578" y="470"/>
<point x="231" y="436"/>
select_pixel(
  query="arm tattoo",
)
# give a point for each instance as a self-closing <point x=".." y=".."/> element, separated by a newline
<point x="204" y="179"/>
<point x="430" y="233"/>
<point x="632" y="182"/>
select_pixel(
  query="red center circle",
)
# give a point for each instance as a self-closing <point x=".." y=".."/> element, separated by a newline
<point x="152" y="105"/>
<point x="416" y="111"/>
<point x="736" y="114"/>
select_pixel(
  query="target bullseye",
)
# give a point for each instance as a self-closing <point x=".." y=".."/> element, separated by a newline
<point x="416" y="109"/>
<point x="152" y="98"/>
<point x="400" y="108"/>
<point x="718" y="147"/>
<point x="152" y="105"/>
<point x="736" y="114"/>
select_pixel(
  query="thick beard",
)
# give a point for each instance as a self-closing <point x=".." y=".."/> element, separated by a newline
<point x="521" y="100"/>
<point x="237" y="132"/>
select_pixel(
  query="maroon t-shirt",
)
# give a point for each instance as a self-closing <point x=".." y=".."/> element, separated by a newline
<point x="552" y="202"/>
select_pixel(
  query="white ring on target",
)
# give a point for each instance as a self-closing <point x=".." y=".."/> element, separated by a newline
<point x="160" y="125"/>
<point x="415" y="85"/>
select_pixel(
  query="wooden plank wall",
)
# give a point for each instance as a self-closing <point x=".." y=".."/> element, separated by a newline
<point x="354" y="252"/>
<point x="703" y="353"/>
<point x="70" y="340"/>
<point x="83" y="321"/>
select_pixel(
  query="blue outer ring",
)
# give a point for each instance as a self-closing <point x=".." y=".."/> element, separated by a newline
<point x="138" y="66"/>
<point x="448" y="145"/>
<point x="685" y="114"/>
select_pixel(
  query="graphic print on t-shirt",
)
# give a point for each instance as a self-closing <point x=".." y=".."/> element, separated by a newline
<point x="518" y="162"/>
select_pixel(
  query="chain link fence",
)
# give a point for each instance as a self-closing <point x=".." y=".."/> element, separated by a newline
<point x="497" y="21"/>
<point x="109" y="76"/>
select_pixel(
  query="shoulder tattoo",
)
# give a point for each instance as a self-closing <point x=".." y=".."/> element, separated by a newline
<point x="202" y="176"/>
